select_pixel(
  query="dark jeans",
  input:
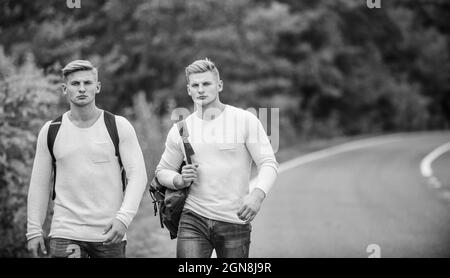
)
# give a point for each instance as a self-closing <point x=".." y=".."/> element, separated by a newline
<point x="67" y="248"/>
<point x="198" y="236"/>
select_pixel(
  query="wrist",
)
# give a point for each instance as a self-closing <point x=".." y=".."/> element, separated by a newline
<point x="259" y="194"/>
<point x="122" y="222"/>
<point x="178" y="181"/>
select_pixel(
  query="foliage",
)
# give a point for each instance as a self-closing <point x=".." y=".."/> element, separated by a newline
<point x="342" y="64"/>
<point x="26" y="95"/>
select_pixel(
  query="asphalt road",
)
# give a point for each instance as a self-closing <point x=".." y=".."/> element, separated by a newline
<point x="337" y="206"/>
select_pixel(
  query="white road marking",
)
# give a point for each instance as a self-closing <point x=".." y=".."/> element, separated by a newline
<point x="346" y="147"/>
<point x="425" y="165"/>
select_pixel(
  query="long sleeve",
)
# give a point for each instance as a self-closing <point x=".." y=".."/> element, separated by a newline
<point x="40" y="186"/>
<point x="171" y="159"/>
<point x="262" y="153"/>
<point x="134" y="164"/>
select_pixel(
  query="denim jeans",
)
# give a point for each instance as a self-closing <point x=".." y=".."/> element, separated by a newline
<point x="198" y="236"/>
<point x="67" y="248"/>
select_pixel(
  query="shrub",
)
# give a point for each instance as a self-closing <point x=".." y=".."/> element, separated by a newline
<point x="27" y="97"/>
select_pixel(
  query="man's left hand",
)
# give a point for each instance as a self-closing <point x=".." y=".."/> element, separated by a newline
<point x="251" y="205"/>
<point x="115" y="231"/>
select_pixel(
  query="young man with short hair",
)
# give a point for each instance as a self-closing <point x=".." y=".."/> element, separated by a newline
<point x="225" y="139"/>
<point x="92" y="211"/>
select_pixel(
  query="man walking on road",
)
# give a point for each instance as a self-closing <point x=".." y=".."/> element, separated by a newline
<point x="92" y="211"/>
<point x="219" y="206"/>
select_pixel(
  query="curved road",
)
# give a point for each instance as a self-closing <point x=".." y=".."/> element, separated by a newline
<point x="336" y="206"/>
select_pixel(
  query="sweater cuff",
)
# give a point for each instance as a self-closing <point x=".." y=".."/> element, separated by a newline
<point x="32" y="235"/>
<point x="125" y="218"/>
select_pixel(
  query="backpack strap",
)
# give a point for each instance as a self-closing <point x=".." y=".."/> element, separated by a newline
<point x="51" y="136"/>
<point x="110" y="122"/>
<point x="182" y="129"/>
<point x="189" y="151"/>
<point x="111" y="126"/>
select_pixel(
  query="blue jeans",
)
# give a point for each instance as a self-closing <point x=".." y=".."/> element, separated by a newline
<point x="198" y="236"/>
<point x="67" y="248"/>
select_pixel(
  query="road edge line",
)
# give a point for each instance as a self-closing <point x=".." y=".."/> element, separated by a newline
<point x="345" y="147"/>
<point x="425" y="164"/>
<point x="342" y="148"/>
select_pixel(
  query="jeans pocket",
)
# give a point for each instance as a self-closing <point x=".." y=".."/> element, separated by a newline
<point x="64" y="248"/>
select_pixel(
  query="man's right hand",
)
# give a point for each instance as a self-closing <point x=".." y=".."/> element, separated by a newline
<point x="187" y="176"/>
<point x="34" y="245"/>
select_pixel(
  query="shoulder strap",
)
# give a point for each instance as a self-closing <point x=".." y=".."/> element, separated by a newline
<point x="182" y="129"/>
<point x="51" y="136"/>
<point x="111" y="126"/>
<point x="110" y="122"/>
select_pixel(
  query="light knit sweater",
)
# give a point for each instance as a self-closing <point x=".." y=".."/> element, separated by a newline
<point x="224" y="149"/>
<point x="89" y="190"/>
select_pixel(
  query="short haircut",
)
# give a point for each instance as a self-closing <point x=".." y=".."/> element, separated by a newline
<point x="201" y="66"/>
<point x="78" y="65"/>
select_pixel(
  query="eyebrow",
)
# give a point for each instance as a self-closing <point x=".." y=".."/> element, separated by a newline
<point x="198" y="82"/>
<point x="85" y="81"/>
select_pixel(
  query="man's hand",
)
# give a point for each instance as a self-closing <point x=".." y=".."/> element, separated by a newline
<point x="115" y="231"/>
<point x="251" y="205"/>
<point x="187" y="176"/>
<point x="34" y="245"/>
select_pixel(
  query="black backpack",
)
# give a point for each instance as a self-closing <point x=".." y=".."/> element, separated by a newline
<point x="171" y="202"/>
<point x="110" y="122"/>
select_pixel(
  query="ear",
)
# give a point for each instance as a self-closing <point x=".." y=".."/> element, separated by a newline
<point x="188" y="91"/>
<point x="220" y="85"/>
<point x="64" y="88"/>
<point x="99" y="86"/>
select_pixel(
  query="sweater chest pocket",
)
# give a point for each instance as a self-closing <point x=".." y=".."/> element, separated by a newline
<point x="100" y="152"/>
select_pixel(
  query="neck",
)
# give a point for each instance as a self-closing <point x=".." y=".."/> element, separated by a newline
<point x="209" y="111"/>
<point x="85" y="113"/>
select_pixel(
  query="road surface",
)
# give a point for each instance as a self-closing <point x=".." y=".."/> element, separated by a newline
<point x="337" y="206"/>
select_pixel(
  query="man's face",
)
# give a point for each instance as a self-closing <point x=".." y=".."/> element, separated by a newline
<point x="204" y="87"/>
<point x="81" y="87"/>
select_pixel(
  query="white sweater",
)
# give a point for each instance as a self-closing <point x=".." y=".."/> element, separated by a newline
<point x="224" y="149"/>
<point x="89" y="190"/>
